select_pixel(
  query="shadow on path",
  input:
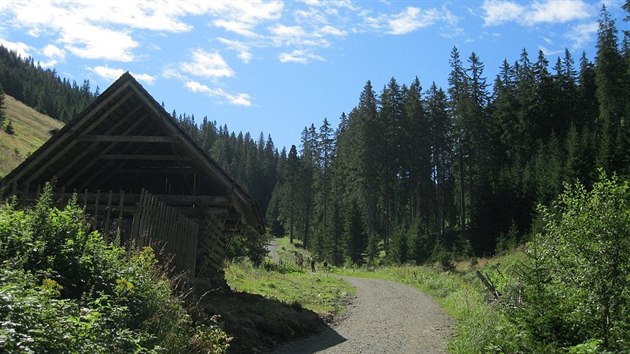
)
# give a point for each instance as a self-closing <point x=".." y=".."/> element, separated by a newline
<point x="258" y="324"/>
<point x="326" y="339"/>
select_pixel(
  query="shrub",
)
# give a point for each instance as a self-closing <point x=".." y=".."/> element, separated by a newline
<point x="65" y="289"/>
<point x="249" y="245"/>
<point x="576" y="294"/>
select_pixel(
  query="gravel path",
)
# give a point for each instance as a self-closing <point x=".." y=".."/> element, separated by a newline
<point x="272" y="247"/>
<point x="386" y="317"/>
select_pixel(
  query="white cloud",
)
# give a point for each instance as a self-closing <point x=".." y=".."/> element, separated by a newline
<point x="112" y="74"/>
<point x="146" y="78"/>
<point x="407" y="21"/>
<point x="313" y="2"/>
<point x="498" y="12"/>
<point x="103" y="29"/>
<point x="238" y="27"/>
<point x="557" y="11"/>
<point x="300" y="56"/>
<point x="549" y="52"/>
<point x="172" y="72"/>
<point x="91" y="42"/>
<point x="412" y="19"/>
<point x="243" y="49"/>
<point x="107" y="73"/>
<point x="208" y="65"/>
<point x="581" y="34"/>
<point x="54" y="54"/>
<point x="453" y="32"/>
<point x="240" y="99"/>
<point x="20" y="48"/>
<point x="332" y="31"/>
<point x="287" y="35"/>
<point x="242" y="16"/>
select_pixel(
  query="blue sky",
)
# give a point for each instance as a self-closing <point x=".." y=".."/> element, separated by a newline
<point x="277" y="66"/>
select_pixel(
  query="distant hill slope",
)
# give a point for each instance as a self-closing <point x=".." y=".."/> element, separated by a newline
<point x="32" y="129"/>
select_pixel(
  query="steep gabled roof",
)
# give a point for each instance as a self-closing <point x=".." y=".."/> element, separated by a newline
<point x="125" y="140"/>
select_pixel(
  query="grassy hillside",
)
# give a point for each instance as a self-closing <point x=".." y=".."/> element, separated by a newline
<point x="32" y="129"/>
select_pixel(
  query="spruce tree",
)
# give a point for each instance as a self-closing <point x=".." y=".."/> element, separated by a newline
<point x="440" y="131"/>
<point x="416" y="155"/>
<point x="458" y="86"/>
<point x="505" y="116"/>
<point x="292" y="175"/>
<point x="390" y="119"/>
<point x="324" y="210"/>
<point x="369" y="142"/>
<point x="8" y="128"/>
<point x="610" y="74"/>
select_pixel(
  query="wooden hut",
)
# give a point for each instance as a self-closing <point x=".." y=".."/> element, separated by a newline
<point x="137" y="172"/>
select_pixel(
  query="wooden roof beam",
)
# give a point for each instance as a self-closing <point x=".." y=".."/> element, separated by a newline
<point x="62" y="152"/>
<point x="128" y="138"/>
<point x="109" y="172"/>
<point x="85" y="152"/>
<point x="141" y="157"/>
<point x="198" y="200"/>
<point x="157" y="171"/>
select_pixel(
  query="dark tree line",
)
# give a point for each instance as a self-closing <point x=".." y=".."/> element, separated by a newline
<point x="419" y="173"/>
<point x="42" y="89"/>
<point x="252" y="163"/>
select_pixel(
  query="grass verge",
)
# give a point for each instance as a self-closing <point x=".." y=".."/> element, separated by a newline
<point x="275" y="303"/>
<point x="321" y="293"/>
<point x="479" y="326"/>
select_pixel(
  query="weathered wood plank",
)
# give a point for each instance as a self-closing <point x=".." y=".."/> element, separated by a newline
<point x="109" y="211"/>
<point x="141" y="157"/>
<point x="128" y="138"/>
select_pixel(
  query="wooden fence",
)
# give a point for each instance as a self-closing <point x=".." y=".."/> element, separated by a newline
<point x="165" y="229"/>
<point x="141" y="218"/>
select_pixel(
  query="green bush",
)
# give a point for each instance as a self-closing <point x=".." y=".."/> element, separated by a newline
<point x="575" y="288"/>
<point x="250" y="245"/>
<point x="65" y="289"/>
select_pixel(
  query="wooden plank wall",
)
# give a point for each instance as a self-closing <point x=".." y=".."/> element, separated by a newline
<point x="214" y="226"/>
<point x="165" y="229"/>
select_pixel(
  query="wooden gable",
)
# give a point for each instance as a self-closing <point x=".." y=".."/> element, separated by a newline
<point x="126" y="141"/>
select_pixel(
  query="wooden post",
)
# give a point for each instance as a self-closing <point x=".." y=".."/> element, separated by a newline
<point x="135" y="223"/>
<point x="488" y="284"/>
<point x="98" y="195"/>
<point x="109" y="212"/>
<point x="121" y="205"/>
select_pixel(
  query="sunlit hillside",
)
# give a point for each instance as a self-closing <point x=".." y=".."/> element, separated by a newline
<point x="31" y="128"/>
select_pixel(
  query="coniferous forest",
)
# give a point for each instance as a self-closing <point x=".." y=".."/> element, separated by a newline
<point x="42" y="89"/>
<point x="426" y="172"/>
<point x="415" y="171"/>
